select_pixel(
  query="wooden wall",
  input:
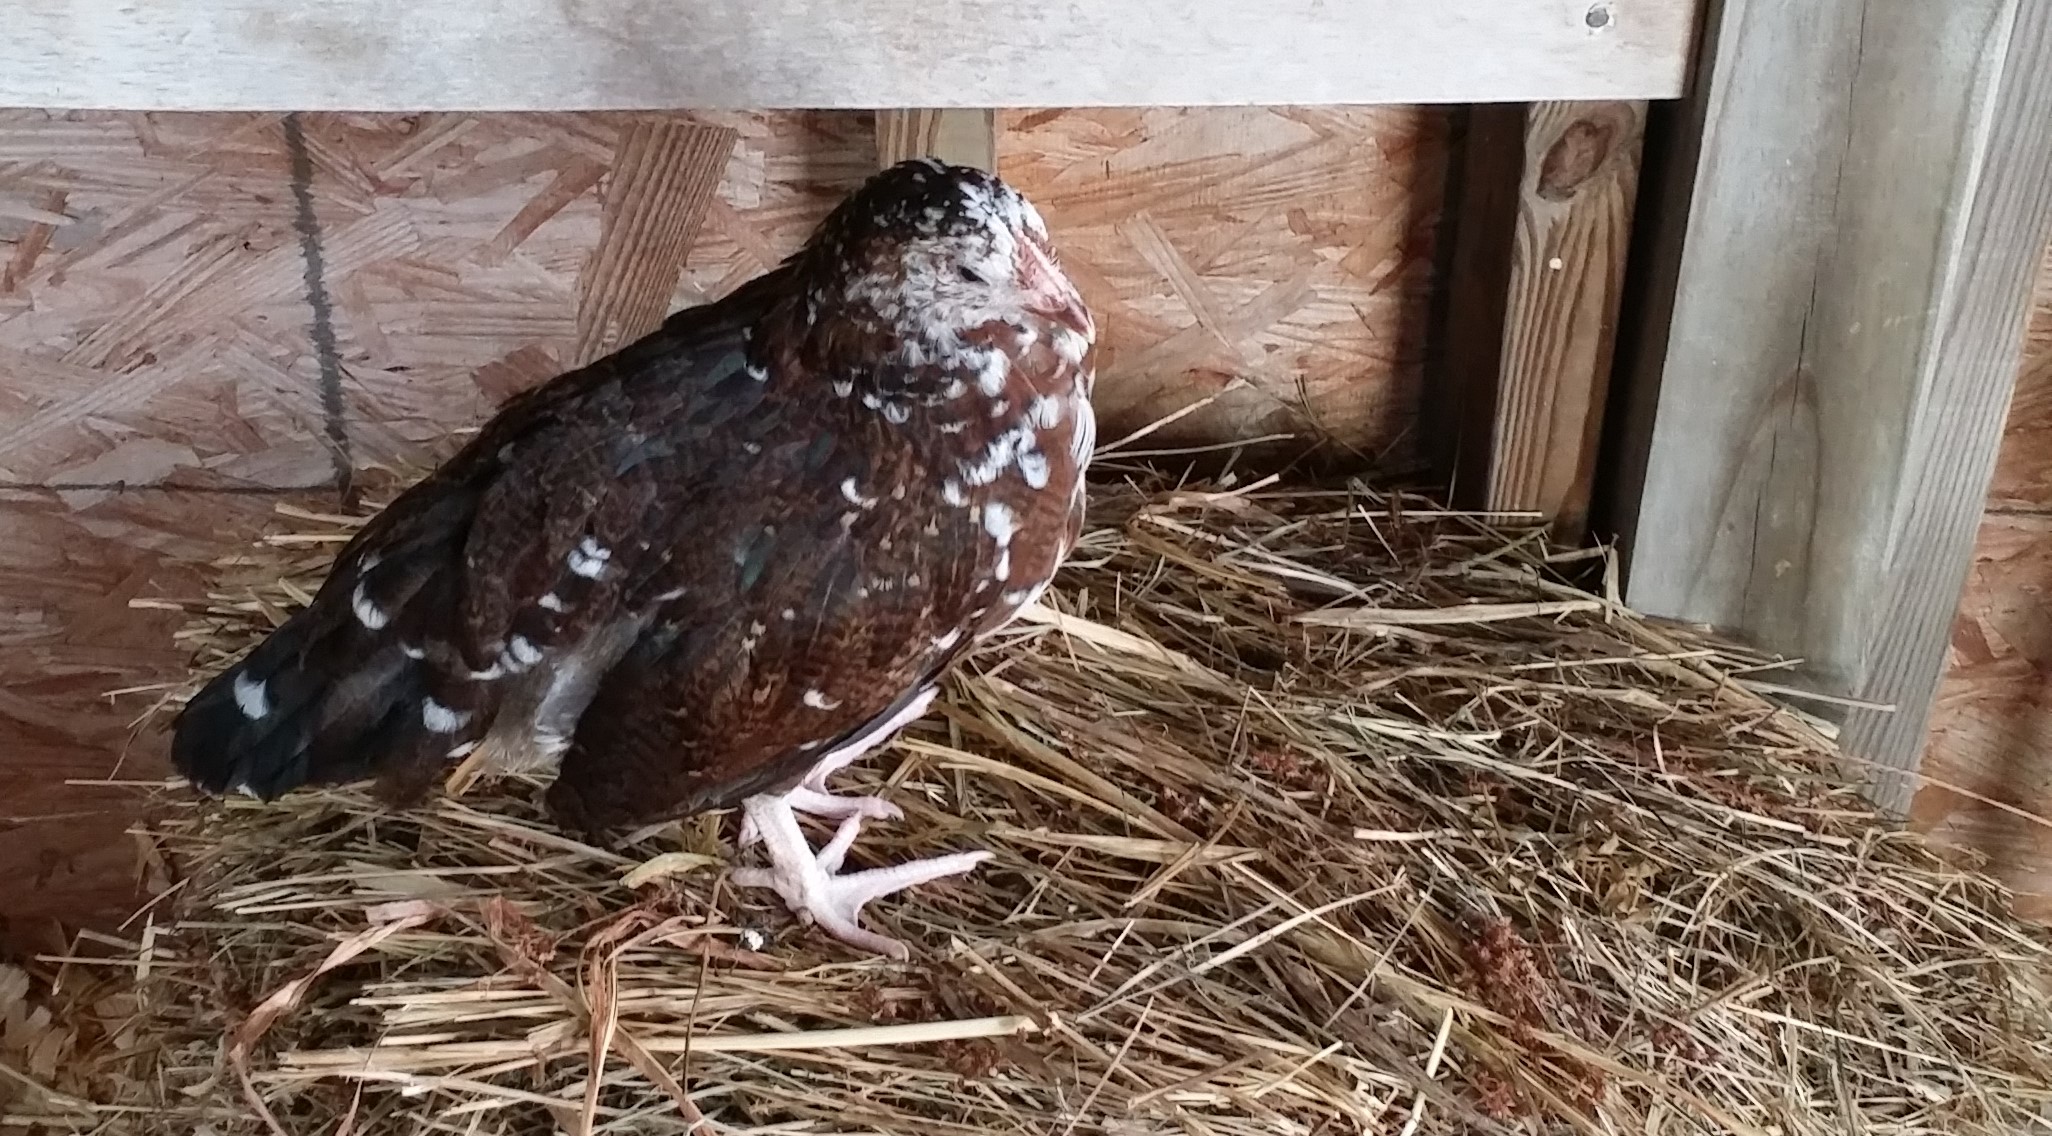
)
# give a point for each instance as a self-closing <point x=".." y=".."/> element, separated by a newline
<point x="164" y="378"/>
<point x="1991" y="736"/>
<point x="1287" y="247"/>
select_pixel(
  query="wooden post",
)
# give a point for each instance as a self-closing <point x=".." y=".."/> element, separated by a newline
<point x="661" y="188"/>
<point x="1838" y="284"/>
<point x="962" y="137"/>
<point x="1545" y="219"/>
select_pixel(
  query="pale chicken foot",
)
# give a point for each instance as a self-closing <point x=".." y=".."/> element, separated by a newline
<point x="812" y="885"/>
<point x="811" y="797"/>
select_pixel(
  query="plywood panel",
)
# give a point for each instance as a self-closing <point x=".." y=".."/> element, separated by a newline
<point x="67" y="572"/>
<point x="1991" y="732"/>
<point x="162" y="334"/>
<point x="546" y="54"/>
<point x="1290" y="247"/>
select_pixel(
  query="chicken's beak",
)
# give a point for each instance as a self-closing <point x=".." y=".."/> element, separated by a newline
<point x="1052" y="297"/>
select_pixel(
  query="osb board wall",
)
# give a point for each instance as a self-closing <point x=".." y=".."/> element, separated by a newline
<point x="162" y="384"/>
<point x="1992" y="734"/>
<point x="1277" y="259"/>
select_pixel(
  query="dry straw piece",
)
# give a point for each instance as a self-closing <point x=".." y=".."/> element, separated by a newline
<point x="1314" y="812"/>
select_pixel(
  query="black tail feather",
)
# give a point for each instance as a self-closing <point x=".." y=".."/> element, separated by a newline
<point x="299" y="710"/>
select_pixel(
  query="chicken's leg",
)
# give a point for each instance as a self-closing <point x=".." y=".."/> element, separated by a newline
<point x="812" y="885"/>
<point x="811" y="796"/>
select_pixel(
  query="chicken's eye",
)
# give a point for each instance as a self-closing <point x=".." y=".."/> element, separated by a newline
<point x="970" y="275"/>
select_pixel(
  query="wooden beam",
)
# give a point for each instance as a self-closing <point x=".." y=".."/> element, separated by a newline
<point x="664" y="176"/>
<point x="421" y="55"/>
<point x="965" y="137"/>
<point x="1839" y="283"/>
<point x="1545" y="220"/>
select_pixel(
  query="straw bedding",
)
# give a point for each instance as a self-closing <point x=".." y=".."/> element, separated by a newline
<point x="1314" y="812"/>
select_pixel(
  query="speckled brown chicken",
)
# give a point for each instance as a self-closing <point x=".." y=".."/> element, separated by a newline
<point x="720" y="564"/>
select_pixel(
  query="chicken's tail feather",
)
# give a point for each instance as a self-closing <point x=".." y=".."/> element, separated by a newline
<point x="285" y="716"/>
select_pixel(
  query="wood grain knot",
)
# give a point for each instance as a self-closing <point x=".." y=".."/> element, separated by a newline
<point x="1575" y="157"/>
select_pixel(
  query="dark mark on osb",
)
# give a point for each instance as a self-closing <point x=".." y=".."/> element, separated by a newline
<point x="309" y="227"/>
